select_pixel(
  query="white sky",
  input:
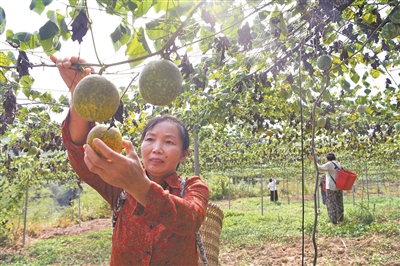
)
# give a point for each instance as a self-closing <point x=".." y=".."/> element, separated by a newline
<point x="21" y="19"/>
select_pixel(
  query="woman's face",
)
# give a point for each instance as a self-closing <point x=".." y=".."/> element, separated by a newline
<point x="162" y="150"/>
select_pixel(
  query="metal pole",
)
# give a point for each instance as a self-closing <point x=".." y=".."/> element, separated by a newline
<point x="287" y="188"/>
<point x="79" y="208"/>
<point x="366" y="178"/>
<point x="262" y="191"/>
<point x="229" y="192"/>
<point x="26" y="210"/>
<point x="196" y="151"/>
<point x="352" y="189"/>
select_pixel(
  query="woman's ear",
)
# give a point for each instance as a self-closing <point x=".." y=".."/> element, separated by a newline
<point x="184" y="155"/>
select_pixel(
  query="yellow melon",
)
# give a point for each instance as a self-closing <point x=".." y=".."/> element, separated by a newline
<point x="111" y="136"/>
<point x="96" y="98"/>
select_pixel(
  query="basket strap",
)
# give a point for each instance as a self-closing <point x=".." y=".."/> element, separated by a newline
<point x="337" y="166"/>
<point x="118" y="207"/>
<point x="199" y="242"/>
<point x="332" y="178"/>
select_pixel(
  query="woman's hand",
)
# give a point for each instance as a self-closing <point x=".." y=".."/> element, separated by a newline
<point x="70" y="71"/>
<point x="118" y="170"/>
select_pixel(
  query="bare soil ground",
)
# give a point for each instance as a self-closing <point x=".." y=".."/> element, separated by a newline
<point x="331" y="251"/>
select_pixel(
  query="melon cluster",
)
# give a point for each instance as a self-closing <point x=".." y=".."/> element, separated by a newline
<point x="96" y="99"/>
<point x="391" y="29"/>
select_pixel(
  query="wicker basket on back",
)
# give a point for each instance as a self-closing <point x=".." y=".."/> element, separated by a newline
<point x="210" y="232"/>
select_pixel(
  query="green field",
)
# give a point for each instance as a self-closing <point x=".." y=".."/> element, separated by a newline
<point x="245" y="228"/>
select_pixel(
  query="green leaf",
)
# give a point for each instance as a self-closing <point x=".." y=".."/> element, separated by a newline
<point x="26" y="91"/>
<point x="369" y="18"/>
<point x="132" y="5"/>
<point x="4" y="59"/>
<point x="354" y="76"/>
<point x="345" y="84"/>
<point x="282" y="25"/>
<point x="64" y="100"/>
<point x="32" y="43"/>
<point x="65" y="33"/>
<point x="47" y="2"/>
<point x="47" y="46"/>
<point x="2" y="20"/>
<point x="330" y="39"/>
<point x="116" y="35"/>
<point x="37" y="6"/>
<point x="142" y="8"/>
<point x="48" y="30"/>
<point x="27" y="81"/>
<point x="326" y="96"/>
<point x="136" y="49"/>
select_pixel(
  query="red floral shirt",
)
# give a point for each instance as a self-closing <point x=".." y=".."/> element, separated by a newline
<point x="160" y="233"/>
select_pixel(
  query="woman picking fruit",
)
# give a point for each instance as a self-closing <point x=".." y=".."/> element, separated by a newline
<point x="334" y="196"/>
<point x="153" y="224"/>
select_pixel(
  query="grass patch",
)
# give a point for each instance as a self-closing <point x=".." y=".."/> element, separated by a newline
<point x="244" y="226"/>
<point x="89" y="249"/>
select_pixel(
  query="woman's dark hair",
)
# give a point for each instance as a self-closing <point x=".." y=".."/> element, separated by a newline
<point x="270" y="180"/>
<point x="183" y="132"/>
<point x="330" y="156"/>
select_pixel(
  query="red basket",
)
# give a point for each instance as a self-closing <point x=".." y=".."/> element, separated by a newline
<point x="345" y="179"/>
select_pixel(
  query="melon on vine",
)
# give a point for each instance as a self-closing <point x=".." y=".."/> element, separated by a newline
<point x="33" y="150"/>
<point x="395" y="16"/>
<point x="397" y="126"/>
<point x="160" y="82"/>
<point x="324" y="62"/>
<point x="255" y="109"/>
<point x="390" y="30"/>
<point x="96" y="98"/>
<point x="361" y="108"/>
<point x="221" y="119"/>
<point x="111" y="136"/>
<point x="321" y="122"/>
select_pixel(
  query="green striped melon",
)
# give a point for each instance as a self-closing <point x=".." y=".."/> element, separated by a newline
<point x="324" y="62"/>
<point x="395" y="16"/>
<point x="160" y="82"/>
<point x="96" y="98"/>
<point x="390" y="31"/>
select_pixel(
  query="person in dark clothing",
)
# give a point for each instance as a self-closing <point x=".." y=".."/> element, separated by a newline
<point x="322" y="184"/>
<point x="273" y="189"/>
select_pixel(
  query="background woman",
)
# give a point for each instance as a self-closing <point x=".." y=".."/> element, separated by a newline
<point x="334" y="196"/>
